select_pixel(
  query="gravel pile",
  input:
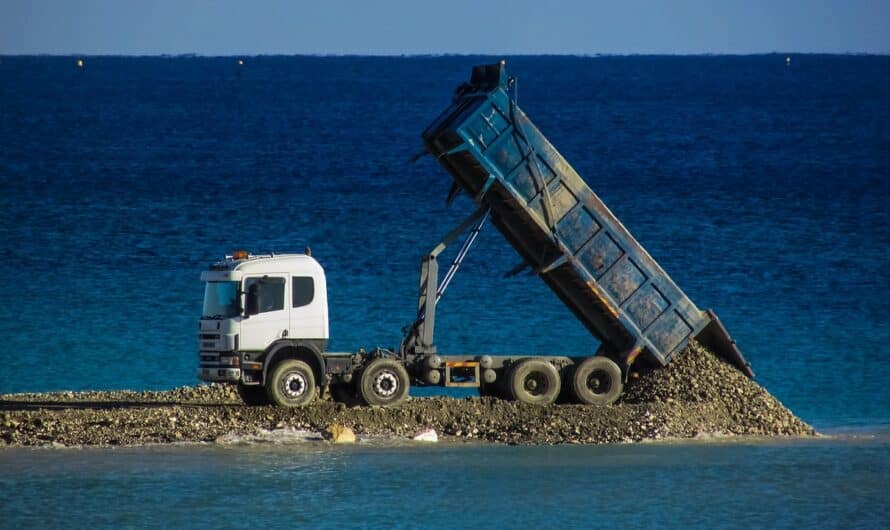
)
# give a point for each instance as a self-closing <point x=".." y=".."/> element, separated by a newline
<point x="708" y="391"/>
<point x="698" y="395"/>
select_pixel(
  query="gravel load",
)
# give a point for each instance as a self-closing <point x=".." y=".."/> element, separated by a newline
<point x="698" y="395"/>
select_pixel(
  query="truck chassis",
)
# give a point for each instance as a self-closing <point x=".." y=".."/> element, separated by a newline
<point x="292" y="372"/>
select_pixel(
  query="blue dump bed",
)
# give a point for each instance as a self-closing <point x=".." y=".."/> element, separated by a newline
<point x="563" y="230"/>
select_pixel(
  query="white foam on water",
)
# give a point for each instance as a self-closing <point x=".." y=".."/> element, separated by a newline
<point x="283" y="436"/>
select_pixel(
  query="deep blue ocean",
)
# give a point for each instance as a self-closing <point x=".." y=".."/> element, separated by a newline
<point x="761" y="187"/>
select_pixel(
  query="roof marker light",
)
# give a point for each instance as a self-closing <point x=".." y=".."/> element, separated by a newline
<point x="239" y="254"/>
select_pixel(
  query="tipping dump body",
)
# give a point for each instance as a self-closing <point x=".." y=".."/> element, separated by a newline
<point x="563" y="230"/>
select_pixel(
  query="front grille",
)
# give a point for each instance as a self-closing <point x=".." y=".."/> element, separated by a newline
<point x="209" y="336"/>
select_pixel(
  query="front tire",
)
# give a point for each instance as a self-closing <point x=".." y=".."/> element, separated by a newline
<point x="291" y="384"/>
<point x="534" y="381"/>
<point x="384" y="382"/>
<point x="253" y="396"/>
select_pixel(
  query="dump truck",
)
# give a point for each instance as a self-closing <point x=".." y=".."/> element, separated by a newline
<point x="265" y="320"/>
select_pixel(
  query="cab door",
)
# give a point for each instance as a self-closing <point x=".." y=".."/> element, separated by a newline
<point x="266" y="311"/>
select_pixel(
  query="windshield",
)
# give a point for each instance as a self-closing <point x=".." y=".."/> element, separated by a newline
<point x="221" y="300"/>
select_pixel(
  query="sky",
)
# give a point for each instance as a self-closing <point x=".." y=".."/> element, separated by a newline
<point x="395" y="27"/>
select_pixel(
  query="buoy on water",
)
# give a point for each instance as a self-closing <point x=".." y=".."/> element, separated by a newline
<point x="80" y="63"/>
<point x="240" y="62"/>
<point x="787" y="61"/>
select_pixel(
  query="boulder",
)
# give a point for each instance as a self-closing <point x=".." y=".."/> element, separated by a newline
<point x="338" y="434"/>
<point x="428" y="435"/>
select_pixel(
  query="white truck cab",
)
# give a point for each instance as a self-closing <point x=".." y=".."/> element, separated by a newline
<point x="252" y="302"/>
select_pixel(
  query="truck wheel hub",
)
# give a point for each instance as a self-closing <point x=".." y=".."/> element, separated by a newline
<point x="535" y="384"/>
<point x="386" y="384"/>
<point x="294" y="385"/>
<point x="599" y="382"/>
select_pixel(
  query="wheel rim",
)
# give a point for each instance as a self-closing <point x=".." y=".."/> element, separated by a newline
<point x="294" y="385"/>
<point x="386" y="383"/>
<point x="535" y="384"/>
<point x="599" y="382"/>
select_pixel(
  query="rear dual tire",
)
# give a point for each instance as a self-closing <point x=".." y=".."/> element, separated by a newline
<point x="534" y="381"/>
<point x="597" y="381"/>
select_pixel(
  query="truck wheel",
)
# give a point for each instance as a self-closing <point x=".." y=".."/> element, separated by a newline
<point x="384" y="382"/>
<point x="534" y="381"/>
<point x="291" y="384"/>
<point x="597" y="381"/>
<point x="255" y="396"/>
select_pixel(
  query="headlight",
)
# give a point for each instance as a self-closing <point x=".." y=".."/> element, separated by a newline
<point x="230" y="361"/>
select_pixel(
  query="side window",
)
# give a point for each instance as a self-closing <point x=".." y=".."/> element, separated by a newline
<point x="263" y="295"/>
<point x="303" y="290"/>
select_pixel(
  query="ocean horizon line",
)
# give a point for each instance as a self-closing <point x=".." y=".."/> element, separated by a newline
<point x="191" y="55"/>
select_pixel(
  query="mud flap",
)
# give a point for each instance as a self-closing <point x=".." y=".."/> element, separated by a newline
<point x="717" y="339"/>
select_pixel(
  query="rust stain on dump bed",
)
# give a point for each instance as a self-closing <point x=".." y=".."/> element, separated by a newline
<point x="602" y="298"/>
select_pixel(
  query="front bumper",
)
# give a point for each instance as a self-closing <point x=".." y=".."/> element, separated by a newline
<point x="215" y="374"/>
<point x="219" y="366"/>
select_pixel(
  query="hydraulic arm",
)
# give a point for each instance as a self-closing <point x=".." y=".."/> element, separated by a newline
<point x="418" y="337"/>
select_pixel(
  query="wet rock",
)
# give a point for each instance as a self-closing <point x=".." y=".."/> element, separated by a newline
<point x="339" y="434"/>
<point x="428" y="435"/>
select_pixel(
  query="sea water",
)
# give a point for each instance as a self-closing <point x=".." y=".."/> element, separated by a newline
<point x="778" y="484"/>
<point x="760" y="187"/>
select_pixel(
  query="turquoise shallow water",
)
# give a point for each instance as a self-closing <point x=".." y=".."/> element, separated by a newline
<point x="838" y="483"/>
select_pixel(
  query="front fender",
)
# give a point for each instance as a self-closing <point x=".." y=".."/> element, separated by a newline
<point x="309" y="351"/>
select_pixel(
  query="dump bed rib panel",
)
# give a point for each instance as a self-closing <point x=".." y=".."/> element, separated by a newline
<point x="562" y="229"/>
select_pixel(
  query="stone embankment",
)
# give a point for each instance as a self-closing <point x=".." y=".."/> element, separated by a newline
<point x="698" y="395"/>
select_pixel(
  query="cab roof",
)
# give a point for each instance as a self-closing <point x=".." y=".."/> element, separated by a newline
<point x="270" y="263"/>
